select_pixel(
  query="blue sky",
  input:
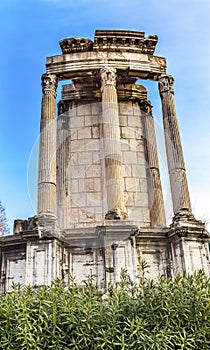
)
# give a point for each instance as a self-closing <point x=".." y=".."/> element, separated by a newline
<point x="31" y="29"/>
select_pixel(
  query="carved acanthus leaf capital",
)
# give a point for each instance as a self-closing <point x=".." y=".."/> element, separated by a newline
<point x="108" y="77"/>
<point x="146" y="106"/>
<point x="165" y="84"/>
<point x="49" y="84"/>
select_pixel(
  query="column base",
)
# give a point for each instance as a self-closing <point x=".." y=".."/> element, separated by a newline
<point x="183" y="214"/>
<point x="116" y="214"/>
<point x="184" y="224"/>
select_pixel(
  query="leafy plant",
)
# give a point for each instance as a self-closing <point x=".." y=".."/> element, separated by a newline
<point x="163" y="314"/>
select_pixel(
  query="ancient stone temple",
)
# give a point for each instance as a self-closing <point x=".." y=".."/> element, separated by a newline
<point x="100" y="201"/>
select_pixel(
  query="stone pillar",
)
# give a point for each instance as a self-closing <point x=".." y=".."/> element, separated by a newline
<point x="111" y="146"/>
<point x="47" y="147"/>
<point x="156" y="204"/>
<point x="176" y="165"/>
<point x="62" y="174"/>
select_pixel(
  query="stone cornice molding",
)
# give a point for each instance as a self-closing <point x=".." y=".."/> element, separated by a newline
<point x="138" y="66"/>
<point x="124" y="40"/>
<point x="71" y="45"/>
<point x="128" y="51"/>
<point x="112" y="40"/>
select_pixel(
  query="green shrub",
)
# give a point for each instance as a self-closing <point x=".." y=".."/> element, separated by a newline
<point x="162" y="314"/>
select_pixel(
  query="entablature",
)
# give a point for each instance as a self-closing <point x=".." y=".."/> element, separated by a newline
<point x="140" y="66"/>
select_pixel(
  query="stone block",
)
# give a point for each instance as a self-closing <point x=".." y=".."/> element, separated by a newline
<point x="126" y="108"/>
<point x="78" y="200"/>
<point x="72" y="111"/>
<point x="94" y="199"/>
<point x="74" y="185"/>
<point x="73" y="134"/>
<point x="99" y="217"/>
<point x="94" y="170"/>
<point x="129" y="201"/>
<point x="84" y="109"/>
<point x="84" y="157"/>
<point x="128" y="133"/>
<point x="135" y="214"/>
<point x="143" y="185"/>
<point x="138" y="134"/>
<point x="96" y="108"/>
<point x="89" y="215"/>
<point x="133" y="145"/>
<point x="91" y="120"/>
<point x="84" y="133"/>
<point x="77" y="122"/>
<point x="142" y="171"/>
<point x="96" y="157"/>
<point x="133" y="121"/>
<point x="125" y="145"/>
<point x="141" y="158"/>
<point x="136" y="109"/>
<point x="89" y="185"/>
<point x="74" y="215"/>
<point x="145" y="215"/>
<point x="130" y="184"/>
<point x="95" y="132"/>
<point x="97" y="184"/>
<point x="77" y="145"/>
<point x="141" y="199"/>
<point x="78" y="171"/>
<point x="73" y="158"/>
<point x="123" y="120"/>
<point x="82" y="185"/>
<point x="136" y="170"/>
<point x="93" y="145"/>
<point x="126" y="170"/>
<point x="140" y="145"/>
<point x="129" y="157"/>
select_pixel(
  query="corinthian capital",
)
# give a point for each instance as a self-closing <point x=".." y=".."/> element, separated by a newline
<point x="108" y="76"/>
<point x="165" y="84"/>
<point x="146" y="106"/>
<point x="49" y="84"/>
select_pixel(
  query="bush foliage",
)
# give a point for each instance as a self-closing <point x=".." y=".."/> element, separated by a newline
<point x="162" y="314"/>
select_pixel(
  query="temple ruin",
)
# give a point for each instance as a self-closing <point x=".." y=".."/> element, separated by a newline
<point x="100" y="200"/>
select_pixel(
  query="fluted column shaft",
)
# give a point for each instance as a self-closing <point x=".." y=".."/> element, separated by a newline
<point x="156" y="204"/>
<point x="111" y="144"/>
<point x="176" y="165"/>
<point x="47" y="147"/>
<point x="63" y="156"/>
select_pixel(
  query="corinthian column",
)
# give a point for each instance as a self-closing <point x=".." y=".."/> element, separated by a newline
<point x="47" y="147"/>
<point x="176" y="165"/>
<point x="112" y="149"/>
<point x="156" y="204"/>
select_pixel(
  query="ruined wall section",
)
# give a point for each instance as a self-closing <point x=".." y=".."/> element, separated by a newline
<point x="81" y="192"/>
<point x="134" y="164"/>
<point x="79" y="172"/>
<point x="13" y="267"/>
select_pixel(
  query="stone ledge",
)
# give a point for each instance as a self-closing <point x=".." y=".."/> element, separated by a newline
<point x="124" y="40"/>
<point x="112" y="40"/>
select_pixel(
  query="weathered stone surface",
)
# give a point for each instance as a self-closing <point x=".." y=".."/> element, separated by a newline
<point x="176" y="164"/>
<point x="100" y="201"/>
<point x="75" y="45"/>
<point x="121" y="40"/>
<point x="47" y="149"/>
